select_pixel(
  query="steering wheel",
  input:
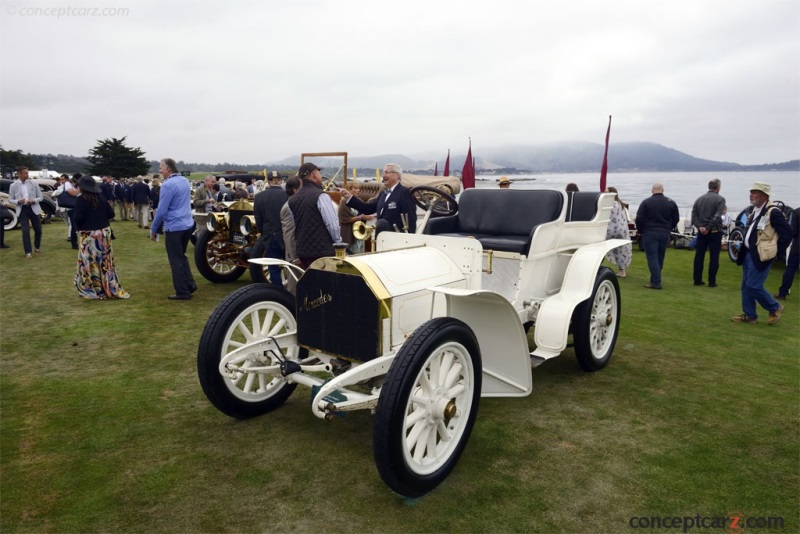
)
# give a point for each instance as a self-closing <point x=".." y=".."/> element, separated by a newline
<point x="436" y="200"/>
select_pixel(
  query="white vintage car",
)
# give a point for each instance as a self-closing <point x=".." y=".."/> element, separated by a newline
<point x="441" y="319"/>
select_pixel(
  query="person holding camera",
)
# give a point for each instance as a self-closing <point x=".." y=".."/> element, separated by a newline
<point x="707" y="214"/>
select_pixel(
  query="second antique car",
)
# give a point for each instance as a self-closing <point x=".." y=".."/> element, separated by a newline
<point x="226" y="242"/>
<point x="442" y="319"/>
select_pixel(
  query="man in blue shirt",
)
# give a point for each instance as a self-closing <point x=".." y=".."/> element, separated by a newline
<point x="175" y="213"/>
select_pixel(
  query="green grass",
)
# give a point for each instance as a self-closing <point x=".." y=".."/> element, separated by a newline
<point x="104" y="426"/>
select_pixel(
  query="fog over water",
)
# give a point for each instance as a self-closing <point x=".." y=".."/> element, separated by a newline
<point x="682" y="187"/>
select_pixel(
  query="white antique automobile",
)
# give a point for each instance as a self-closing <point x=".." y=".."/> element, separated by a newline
<point x="442" y="320"/>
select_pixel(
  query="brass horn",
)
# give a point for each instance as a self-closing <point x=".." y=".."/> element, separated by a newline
<point x="362" y="231"/>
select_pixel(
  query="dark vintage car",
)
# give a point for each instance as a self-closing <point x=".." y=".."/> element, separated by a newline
<point x="48" y="204"/>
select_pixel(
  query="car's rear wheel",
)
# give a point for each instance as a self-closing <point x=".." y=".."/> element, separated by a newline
<point x="427" y="406"/>
<point x="595" y="322"/>
<point x="209" y="257"/>
<point x="246" y="317"/>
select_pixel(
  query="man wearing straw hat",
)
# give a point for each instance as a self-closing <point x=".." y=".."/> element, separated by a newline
<point x="504" y="182"/>
<point x="767" y="232"/>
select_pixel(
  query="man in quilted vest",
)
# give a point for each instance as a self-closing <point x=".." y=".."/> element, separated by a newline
<point x="315" y="219"/>
<point x="766" y="222"/>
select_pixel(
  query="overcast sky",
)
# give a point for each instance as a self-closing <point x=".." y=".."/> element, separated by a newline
<point x="257" y="81"/>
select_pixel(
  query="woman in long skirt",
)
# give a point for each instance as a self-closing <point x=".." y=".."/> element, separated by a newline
<point x="618" y="229"/>
<point x="96" y="277"/>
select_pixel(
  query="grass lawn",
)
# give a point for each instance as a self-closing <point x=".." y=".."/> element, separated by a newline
<point x="104" y="426"/>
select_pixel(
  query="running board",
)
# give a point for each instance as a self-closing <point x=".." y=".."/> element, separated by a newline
<point x="539" y="359"/>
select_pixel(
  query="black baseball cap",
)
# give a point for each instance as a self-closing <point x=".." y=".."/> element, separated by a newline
<point x="306" y="169"/>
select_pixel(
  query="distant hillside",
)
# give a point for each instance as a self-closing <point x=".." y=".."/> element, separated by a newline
<point x="588" y="157"/>
<point x="565" y="158"/>
<point x="550" y="158"/>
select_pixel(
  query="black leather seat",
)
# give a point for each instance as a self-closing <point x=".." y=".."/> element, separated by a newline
<point x="581" y="206"/>
<point x="500" y="219"/>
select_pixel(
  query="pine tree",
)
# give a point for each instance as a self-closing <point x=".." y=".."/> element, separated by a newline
<point x="111" y="157"/>
<point x="11" y="159"/>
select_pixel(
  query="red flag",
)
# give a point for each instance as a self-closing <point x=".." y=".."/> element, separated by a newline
<point x="604" y="168"/>
<point x="447" y="164"/>
<point x="436" y="169"/>
<point x="468" y="171"/>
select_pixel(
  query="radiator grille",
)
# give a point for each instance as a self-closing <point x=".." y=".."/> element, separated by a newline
<point x="338" y="314"/>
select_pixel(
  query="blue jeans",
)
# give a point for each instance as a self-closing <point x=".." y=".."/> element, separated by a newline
<point x="792" y="265"/>
<point x="655" y="245"/>
<point x="712" y="243"/>
<point x="753" y="288"/>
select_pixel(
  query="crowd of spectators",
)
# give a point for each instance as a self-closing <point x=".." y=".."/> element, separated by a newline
<point x="281" y="214"/>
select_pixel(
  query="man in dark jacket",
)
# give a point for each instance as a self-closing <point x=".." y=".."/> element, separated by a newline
<point x="394" y="204"/>
<point x="267" y="212"/>
<point x="140" y="193"/>
<point x="656" y="218"/>
<point x="108" y="189"/>
<point x="793" y="260"/>
<point x="120" y="192"/>
<point x="765" y="220"/>
<point x="707" y="214"/>
<point x="316" y="222"/>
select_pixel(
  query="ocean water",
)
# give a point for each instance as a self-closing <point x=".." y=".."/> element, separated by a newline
<point x="683" y="188"/>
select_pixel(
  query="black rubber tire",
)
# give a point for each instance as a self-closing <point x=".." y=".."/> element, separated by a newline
<point x="735" y="243"/>
<point x="258" y="273"/>
<point x="595" y="322"/>
<point x="204" y="263"/>
<point x="442" y="203"/>
<point x="223" y="324"/>
<point x="399" y="470"/>
<point x="12" y="221"/>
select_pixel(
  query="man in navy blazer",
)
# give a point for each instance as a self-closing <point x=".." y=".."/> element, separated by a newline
<point x="391" y="203"/>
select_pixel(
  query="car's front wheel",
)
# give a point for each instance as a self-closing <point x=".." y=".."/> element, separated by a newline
<point x="427" y="406"/>
<point x="210" y="252"/>
<point x="247" y="317"/>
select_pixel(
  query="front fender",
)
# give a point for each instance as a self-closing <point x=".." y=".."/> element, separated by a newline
<point x="501" y="337"/>
<point x="295" y="270"/>
<point x="555" y="313"/>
